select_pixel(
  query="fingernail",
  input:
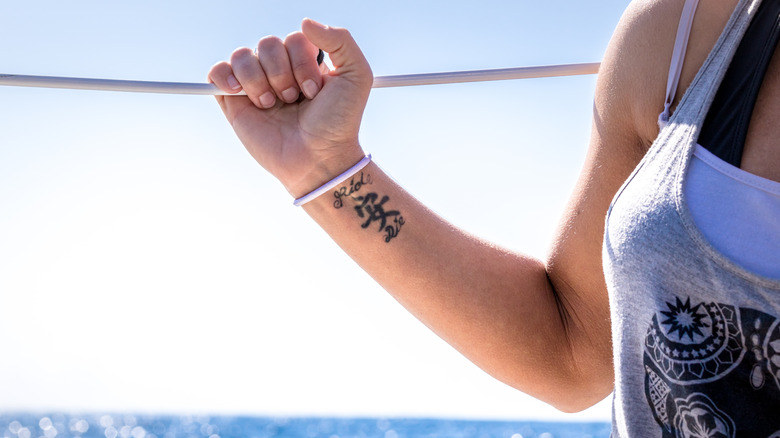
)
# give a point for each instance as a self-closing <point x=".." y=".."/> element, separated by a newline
<point x="290" y="95"/>
<point x="267" y="100"/>
<point x="310" y="88"/>
<point x="233" y="82"/>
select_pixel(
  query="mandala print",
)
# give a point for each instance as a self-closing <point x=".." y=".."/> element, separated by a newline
<point x="703" y="360"/>
<point x="697" y="417"/>
<point x="708" y="341"/>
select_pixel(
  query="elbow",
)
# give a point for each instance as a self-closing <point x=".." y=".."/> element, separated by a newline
<point x="578" y="396"/>
<point x="570" y="395"/>
<point x="574" y="404"/>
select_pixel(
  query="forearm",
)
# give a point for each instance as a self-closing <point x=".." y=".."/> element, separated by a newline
<point x="495" y="306"/>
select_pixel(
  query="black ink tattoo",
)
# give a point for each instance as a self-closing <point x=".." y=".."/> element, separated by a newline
<point x="354" y="186"/>
<point x="370" y="207"/>
<point x="373" y="211"/>
<point x="393" y="230"/>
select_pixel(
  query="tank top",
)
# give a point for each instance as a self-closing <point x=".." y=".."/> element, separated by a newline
<point x="696" y="336"/>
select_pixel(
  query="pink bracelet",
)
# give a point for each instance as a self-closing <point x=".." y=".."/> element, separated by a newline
<point x="330" y="185"/>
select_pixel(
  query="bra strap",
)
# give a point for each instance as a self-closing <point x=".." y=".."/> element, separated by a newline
<point x="678" y="58"/>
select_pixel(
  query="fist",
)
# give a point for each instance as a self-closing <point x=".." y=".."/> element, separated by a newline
<point x="298" y="119"/>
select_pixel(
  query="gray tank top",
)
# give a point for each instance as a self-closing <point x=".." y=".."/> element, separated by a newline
<point x="696" y="337"/>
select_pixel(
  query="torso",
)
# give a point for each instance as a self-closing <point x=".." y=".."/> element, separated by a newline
<point x="694" y="331"/>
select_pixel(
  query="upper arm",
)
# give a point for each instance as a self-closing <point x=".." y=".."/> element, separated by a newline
<point x="629" y="89"/>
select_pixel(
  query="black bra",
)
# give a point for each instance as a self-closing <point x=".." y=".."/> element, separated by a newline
<point x="726" y="126"/>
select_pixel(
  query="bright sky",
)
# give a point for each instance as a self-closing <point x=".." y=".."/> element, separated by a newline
<point x="148" y="264"/>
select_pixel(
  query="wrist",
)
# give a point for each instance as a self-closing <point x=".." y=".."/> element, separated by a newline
<point x="324" y="171"/>
<point x="333" y="183"/>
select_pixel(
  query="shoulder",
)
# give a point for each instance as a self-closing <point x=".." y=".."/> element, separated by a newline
<point x="633" y="74"/>
<point x="635" y="68"/>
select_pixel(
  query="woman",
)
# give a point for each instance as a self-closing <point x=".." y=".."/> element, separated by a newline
<point x="694" y="311"/>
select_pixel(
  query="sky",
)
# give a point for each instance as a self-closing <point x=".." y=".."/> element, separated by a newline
<point x="149" y="265"/>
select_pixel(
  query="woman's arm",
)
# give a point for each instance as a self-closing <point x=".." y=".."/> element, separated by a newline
<point x="542" y="327"/>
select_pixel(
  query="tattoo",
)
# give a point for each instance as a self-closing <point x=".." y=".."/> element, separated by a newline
<point x="370" y="207"/>
<point x="373" y="211"/>
<point x="392" y="230"/>
<point x="354" y="186"/>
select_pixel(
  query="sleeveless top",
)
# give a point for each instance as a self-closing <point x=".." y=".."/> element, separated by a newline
<point x="696" y="336"/>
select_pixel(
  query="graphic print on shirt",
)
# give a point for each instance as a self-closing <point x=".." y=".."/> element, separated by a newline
<point x="702" y="360"/>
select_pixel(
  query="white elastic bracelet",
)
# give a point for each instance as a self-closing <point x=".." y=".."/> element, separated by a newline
<point x="334" y="182"/>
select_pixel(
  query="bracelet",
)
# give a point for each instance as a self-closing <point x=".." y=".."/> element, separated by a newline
<point x="334" y="182"/>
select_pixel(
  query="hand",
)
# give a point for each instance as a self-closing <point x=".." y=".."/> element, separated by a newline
<point x="303" y="142"/>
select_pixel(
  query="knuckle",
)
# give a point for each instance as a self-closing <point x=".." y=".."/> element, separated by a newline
<point x="279" y="79"/>
<point x="241" y="54"/>
<point x="343" y="32"/>
<point x="296" y="37"/>
<point x="269" y="43"/>
<point x="220" y="68"/>
<point x="299" y="64"/>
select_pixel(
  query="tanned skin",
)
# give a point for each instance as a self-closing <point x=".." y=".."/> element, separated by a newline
<point x="541" y="326"/>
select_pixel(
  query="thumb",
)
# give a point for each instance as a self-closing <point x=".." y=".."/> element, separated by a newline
<point x="344" y="52"/>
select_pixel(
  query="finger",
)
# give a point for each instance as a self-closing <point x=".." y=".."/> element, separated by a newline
<point x="344" y="52"/>
<point x="221" y="75"/>
<point x="304" y="58"/>
<point x="276" y="64"/>
<point x="250" y="75"/>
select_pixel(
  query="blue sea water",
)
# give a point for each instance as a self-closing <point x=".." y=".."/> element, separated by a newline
<point x="140" y="426"/>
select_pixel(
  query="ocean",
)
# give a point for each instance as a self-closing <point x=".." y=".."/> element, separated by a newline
<point x="169" y="426"/>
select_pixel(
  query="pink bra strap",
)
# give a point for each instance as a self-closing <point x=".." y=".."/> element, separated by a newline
<point x="678" y="57"/>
